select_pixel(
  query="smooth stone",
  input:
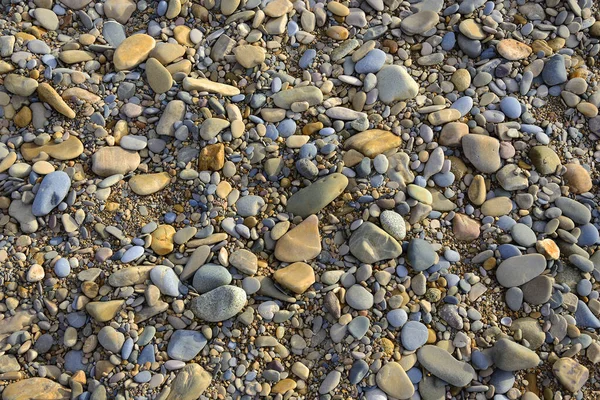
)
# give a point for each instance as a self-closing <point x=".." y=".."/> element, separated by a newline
<point x="392" y="379"/>
<point x="315" y="197"/>
<point x="373" y="142"/>
<point x="394" y="224"/>
<point x="413" y="335"/>
<point x="191" y="381"/>
<point x="531" y="330"/>
<point x="20" y="85"/>
<point x="185" y="345"/>
<point x="302" y="243"/>
<point x="203" y="84"/>
<point x="211" y="276"/>
<point x="51" y="192"/>
<point x="65" y="150"/>
<point x="419" y="23"/>
<point x="159" y="78"/>
<point x="173" y="112"/>
<point x="518" y="270"/>
<point x="544" y="159"/>
<point x="577" y="178"/>
<point x="219" y="304"/>
<point x="394" y="84"/>
<point x="104" y="311"/>
<point x="570" y="374"/>
<point x="511" y="356"/>
<point x="108" y="161"/>
<point x="130" y="276"/>
<point x="249" y="206"/>
<point x="483" y="152"/>
<point x="538" y="290"/>
<point x="166" y="280"/>
<point x="133" y="51"/>
<point x="420" y="254"/>
<point x="35" y="389"/>
<point x="370" y="63"/>
<point x="359" y="298"/>
<point x="511" y="107"/>
<point x="573" y="209"/>
<point x="111" y="339"/>
<point x="555" y="71"/>
<point x="148" y="184"/>
<point x="47" y="94"/>
<point x="249" y="56"/>
<point x="441" y="364"/>
<point x="297" y="277"/>
<point x="371" y="244"/>
<point x="513" y="50"/>
<point x="309" y="94"/>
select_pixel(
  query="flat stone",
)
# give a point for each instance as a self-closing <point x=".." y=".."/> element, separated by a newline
<point x="104" y="311"/>
<point x="248" y="206"/>
<point x="394" y="224"/>
<point x="191" y="381"/>
<point x="373" y="142"/>
<point x="573" y="209"/>
<point x="297" y="277"/>
<point x="130" y="276"/>
<point x="173" y="112"/>
<point x="75" y="56"/>
<point x="35" y="389"/>
<point x="166" y="280"/>
<point x="371" y="244"/>
<point x="510" y="356"/>
<point x="211" y="276"/>
<point x="108" y="161"/>
<point x="162" y="240"/>
<point x="420" y="22"/>
<point x="392" y="379"/>
<point x="577" y="178"/>
<point x="133" y="51"/>
<point x="249" y="56"/>
<point x="570" y="374"/>
<point x="420" y="254"/>
<point x="46" y="18"/>
<point x="302" y="243"/>
<point x="518" y="270"/>
<point x="185" y="344"/>
<point x="531" y="330"/>
<point x="483" y="152"/>
<point x="111" y="339"/>
<point x="359" y="298"/>
<point x="119" y="10"/>
<point x="244" y="261"/>
<point x="413" y="335"/>
<point x="159" y="78"/>
<point x="219" y="304"/>
<point x="316" y="196"/>
<point x="544" y="159"/>
<point x="441" y="364"/>
<point x="47" y="94"/>
<point x="309" y="94"/>
<point x="20" y="85"/>
<point x="211" y="127"/>
<point x="212" y="157"/>
<point x="513" y="50"/>
<point x="147" y="184"/>
<point x="443" y="116"/>
<point x="52" y="191"/>
<point x="555" y="71"/>
<point x="203" y="84"/>
<point x="538" y="290"/>
<point x="395" y="84"/>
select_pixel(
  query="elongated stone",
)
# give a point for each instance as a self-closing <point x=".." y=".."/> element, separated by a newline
<point x="315" y="197"/>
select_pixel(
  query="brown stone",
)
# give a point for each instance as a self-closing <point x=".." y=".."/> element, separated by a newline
<point x="373" y="142"/>
<point x="23" y="117"/>
<point x="452" y="134"/>
<point x="35" y="389"/>
<point x="301" y="243"/>
<point x="465" y="228"/>
<point x="65" y="150"/>
<point x="577" y="178"/>
<point x="47" y="94"/>
<point x="162" y="239"/>
<point x="297" y="277"/>
<point x="513" y="50"/>
<point x="133" y="51"/>
<point x="212" y="157"/>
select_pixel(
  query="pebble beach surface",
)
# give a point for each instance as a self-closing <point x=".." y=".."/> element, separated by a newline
<point x="318" y="200"/>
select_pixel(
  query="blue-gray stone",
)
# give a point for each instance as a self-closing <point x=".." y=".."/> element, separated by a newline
<point x="62" y="268"/>
<point x="53" y="189"/>
<point x="414" y="335"/>
<point x="359" y="370"/>
<point x="502" y="381"/>
<point x="249" y="206"/>
<point x="132" y="253"/>
<point x="555" y="71"/>
<point x="420" y="254"/>
<point x="584" y="317"/>
<point x="471" y="48"/>
<point x="74" y="361"/>
<point x="397" y="318"/>
<point x="463" y="104"/>
<point x="286" y="128"/>
<point x="307" y="58"/>
<point x="184" y="345"/>
<point x="146" y="355"/>
<point x="481" y="360"/>
<point x="211" y="276"/>
<point x="448" y="41"/>
<point x="166" y="280"/>
<point x="127" y="348"/>
<point x="589" y="235"/>
<point x="511" y="107"/>
<point x="359" y="326"/>
<point x="372" y="62"/>
<point x="143" y="377"/>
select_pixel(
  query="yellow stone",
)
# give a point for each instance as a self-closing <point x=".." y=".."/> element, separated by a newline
<point x="373" y="142"/>
<point x="147" y="184"/>
<point x="301" y="243"/>
<point x="162" y="240"/>
<point x="133" y="51"/>
<point x="297" y="277"/>
<point x="65" y="150"/>
<point x="47" y="94"/>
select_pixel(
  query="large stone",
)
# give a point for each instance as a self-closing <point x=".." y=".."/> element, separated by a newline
<point x="158" y="77"/>
<point x="310" y="94"/>
<point x="20" y="85"/>
<point x="185" y="344"/>
<point x="147" y="184"/>
<point x="104" y="311"/>
<point x="544" y="159"/>
<point x="249" y="56"/>
<point x="420" y="22"/>
<point x="219" y="304"/>
<point x="296" y="277"/>
<point x="518" y="270"/>
<point x="109" y="161"/>
<point x="395" y="84"/>
<point x="315" y="197"/>
<point x="130" y="276"/>
<point x="53" y="189"/>
<point x="173" y="112"/>
<point x="370" y="244"/>
<point x="392" y="379"/>
<point x="206" y="85"/>
<point x="510" y="356"/>
<point x="35" y="389"/>
<point x="302" y="243"/>
<point x="119" y="10"/>
<point x="513" y="50"/>
<point x="570" y="374"/>
<point x="577" y="178"/>
<point x="483" y="152"/>
<point x="65" y="150"/>
<point x="441" y="364"/>
<point x="190" y="383"/>
<point x="373" y="142"/>
<point x="133" y="51"/>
